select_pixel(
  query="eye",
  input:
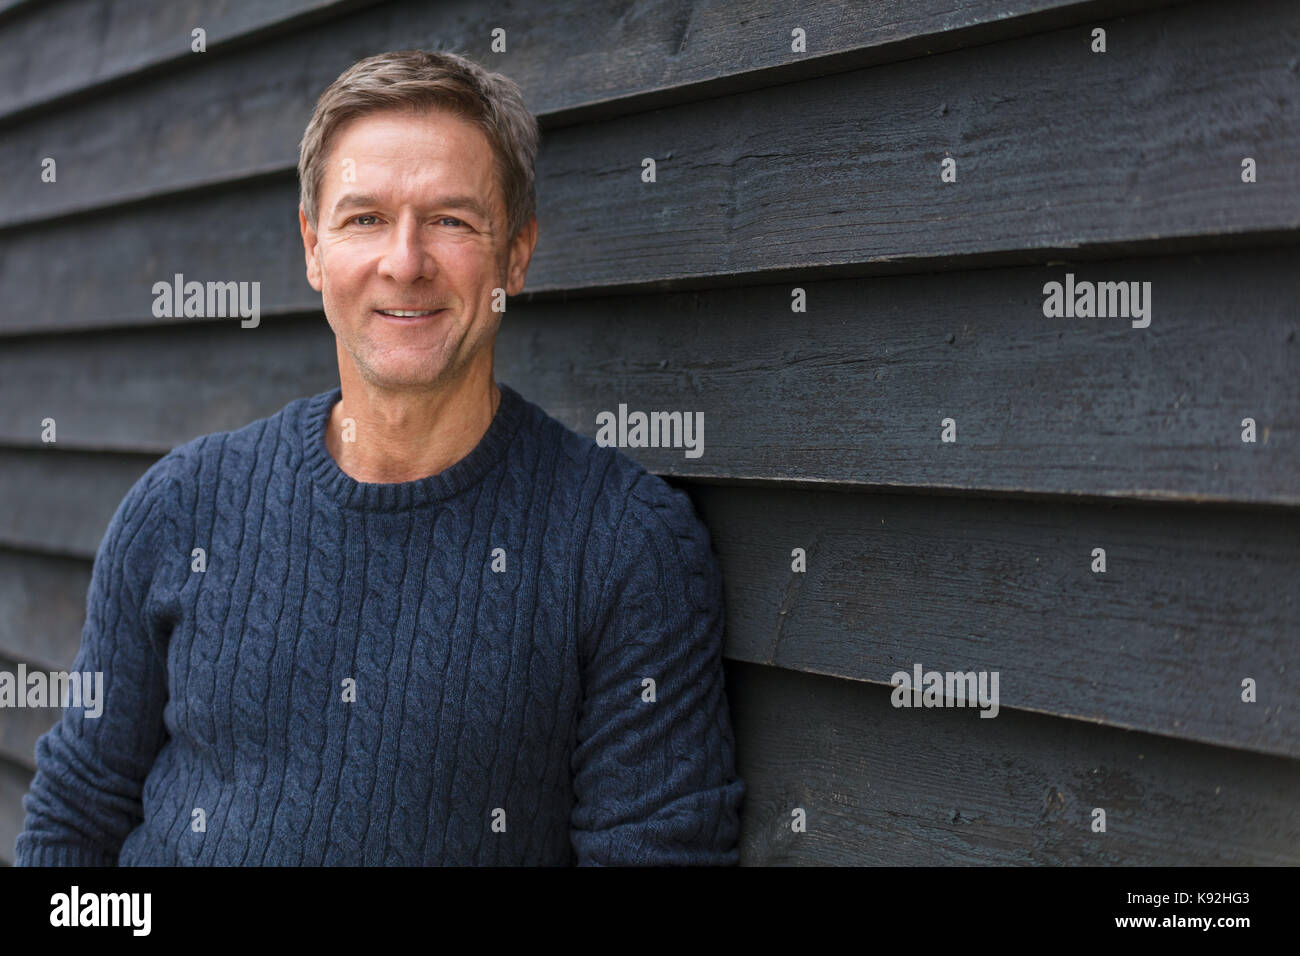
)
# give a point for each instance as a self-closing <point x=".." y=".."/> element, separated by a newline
<point x="450" y="219"/>
<point x="357" y="219"/>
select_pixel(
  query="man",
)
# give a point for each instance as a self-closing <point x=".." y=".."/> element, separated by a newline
<point x="412" y="619"/>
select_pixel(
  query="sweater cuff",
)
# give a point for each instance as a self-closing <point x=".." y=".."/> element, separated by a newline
<point x="28" y="853"/>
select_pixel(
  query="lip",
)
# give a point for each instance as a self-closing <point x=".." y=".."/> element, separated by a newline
<point x="409" y="319"/>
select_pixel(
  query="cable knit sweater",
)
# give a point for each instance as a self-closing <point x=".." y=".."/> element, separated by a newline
<point x="452" y="670"/>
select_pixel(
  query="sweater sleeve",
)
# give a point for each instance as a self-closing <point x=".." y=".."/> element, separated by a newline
<point x="86" y="795"/>
<point x="654" y="768"/>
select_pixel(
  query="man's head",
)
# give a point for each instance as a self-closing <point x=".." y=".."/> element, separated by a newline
<point x="417" y="193"/>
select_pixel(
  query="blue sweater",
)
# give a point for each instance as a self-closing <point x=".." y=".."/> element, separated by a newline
<point x="454" y="670"/>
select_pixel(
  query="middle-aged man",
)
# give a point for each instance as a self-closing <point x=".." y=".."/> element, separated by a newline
<point x="412" y="619"/>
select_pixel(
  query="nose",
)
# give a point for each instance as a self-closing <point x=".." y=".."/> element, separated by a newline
<point x="407" y="259"/>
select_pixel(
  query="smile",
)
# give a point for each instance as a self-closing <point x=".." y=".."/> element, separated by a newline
<point x="409" y="315"/>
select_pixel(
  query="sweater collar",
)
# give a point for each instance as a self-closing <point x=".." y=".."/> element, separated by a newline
<point x="393" y="496"/>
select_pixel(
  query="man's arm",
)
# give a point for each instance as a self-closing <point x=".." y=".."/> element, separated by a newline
<point x="655" y="781"/>
<point x="85" y="797"/>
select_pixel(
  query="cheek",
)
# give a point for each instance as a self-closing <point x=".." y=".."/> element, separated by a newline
<point x="342" y="280"/>
<point x="472" y="267"/>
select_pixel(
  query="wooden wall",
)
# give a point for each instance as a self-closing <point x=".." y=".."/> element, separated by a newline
<point x="776" y="170"/>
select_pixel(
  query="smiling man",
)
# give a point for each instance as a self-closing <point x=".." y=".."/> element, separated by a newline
<point x="412" y="619"/>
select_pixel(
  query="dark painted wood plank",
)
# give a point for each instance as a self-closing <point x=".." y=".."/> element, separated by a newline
<point x="171" y="384"/>
<point x="856" y="389"/>
<point x="104" y="267"/>
<point x="1057" y="149"/>
<point x="851" y="392"/>
<point x="1060" y="149"/>
<point x="56" y="49"/>
<point x="249" y="231"/>
<point x="64" y="499"/>
<point x="1192" y="601"/>
<point x="10" y="7"/>
<point x="190" y="136"/>
<point x="944" y="787"/>
<point x="14" y="783"/>
<point x="21" y="726"/>
<point x="42" y="607"/>
<point x="59" y="48"/>
<point x="688" y="51"/>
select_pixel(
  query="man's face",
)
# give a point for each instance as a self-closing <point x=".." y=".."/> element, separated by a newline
<point x="412" y="217"/>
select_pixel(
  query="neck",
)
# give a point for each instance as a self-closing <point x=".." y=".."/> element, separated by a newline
<point x="408" y="434"/>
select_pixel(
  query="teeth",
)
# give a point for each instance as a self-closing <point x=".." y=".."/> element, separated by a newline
<point x="403" y="314"/>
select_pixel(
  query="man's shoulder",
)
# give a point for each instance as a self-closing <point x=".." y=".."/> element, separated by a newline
<point x="619" y="491"/>
<point x="641" y="533"/>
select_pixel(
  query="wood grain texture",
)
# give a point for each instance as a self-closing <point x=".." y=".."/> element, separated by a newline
<point x="42" y="607"/>
<point x="104" y="266"/>
<point x="11" y="7"/>
<point x="851" y="392"/>
<point x="648" y="54"/>
<point x="21" y="726"/>
<point x="945" y="787"/>
<point x="1059" y="148"/>
<point x="150" y="390"/>
<point x="14" y="781"/>
<point x="828" y="193"/>
<point x="1192" y="601"/>
<point x="855" y="390"/>
<point x="242" y="112"/>
<point x="58" y="49"/>
<point x="65" y="499"/>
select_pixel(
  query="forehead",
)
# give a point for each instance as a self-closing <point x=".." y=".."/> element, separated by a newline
<point x="401" y="149"/>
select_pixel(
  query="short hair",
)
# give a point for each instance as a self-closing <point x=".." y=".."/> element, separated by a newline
<point x="420" y="80"/>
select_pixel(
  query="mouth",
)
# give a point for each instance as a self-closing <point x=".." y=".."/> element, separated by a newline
<point x="409" y="316"/>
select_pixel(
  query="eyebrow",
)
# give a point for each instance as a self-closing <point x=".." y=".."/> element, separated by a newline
<point x="470" y="203"/>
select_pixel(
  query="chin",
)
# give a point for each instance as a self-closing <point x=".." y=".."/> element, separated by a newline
<point x="405" y="376"/>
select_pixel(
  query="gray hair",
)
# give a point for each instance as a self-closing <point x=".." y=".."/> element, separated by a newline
<point x="420" y="80"/>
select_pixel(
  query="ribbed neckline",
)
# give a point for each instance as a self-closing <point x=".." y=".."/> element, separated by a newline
<point x="394" y="496"/>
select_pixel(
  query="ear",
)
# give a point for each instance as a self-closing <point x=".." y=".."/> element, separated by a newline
<point x="521" y="253"/>
<point x="309" y="249"/>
